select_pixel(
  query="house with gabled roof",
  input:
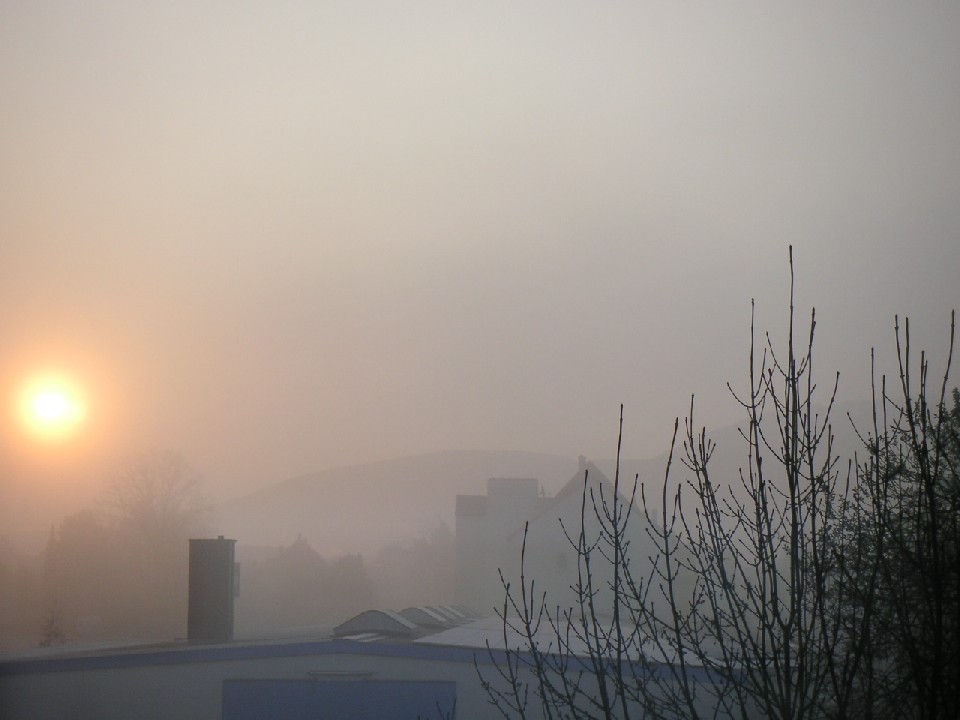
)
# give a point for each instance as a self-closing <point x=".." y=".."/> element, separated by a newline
<point x="491" y="530"/>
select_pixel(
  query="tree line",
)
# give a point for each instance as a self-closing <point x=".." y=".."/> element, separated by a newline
<point x="120" y="572"/>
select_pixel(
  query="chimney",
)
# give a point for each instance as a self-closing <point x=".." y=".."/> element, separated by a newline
<point x="583" y="465"/>
<point x="211" y="593"/>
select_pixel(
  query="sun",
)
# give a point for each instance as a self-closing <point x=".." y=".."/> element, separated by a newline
<point x="52" y="407"/>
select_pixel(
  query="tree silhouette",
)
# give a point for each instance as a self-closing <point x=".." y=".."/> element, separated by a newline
<point x="801" y="588"/>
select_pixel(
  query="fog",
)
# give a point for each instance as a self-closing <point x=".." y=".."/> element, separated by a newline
<point x="281" y="238"/>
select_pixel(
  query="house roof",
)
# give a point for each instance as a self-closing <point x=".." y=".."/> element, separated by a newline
<point x="589" y="474"/>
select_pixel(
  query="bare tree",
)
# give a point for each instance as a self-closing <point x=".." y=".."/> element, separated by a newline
<point x="158" y="494"/>
<point x="123" y="572"/>
<point x="753" y="596"/>
<point x="157" y="505"/>
<point x="908" y="529"/>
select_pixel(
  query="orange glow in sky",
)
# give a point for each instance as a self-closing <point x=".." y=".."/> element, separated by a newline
<point x="52" y="407"/>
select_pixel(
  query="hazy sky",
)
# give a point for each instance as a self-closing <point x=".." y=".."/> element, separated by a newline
<point x="283" y="236"/>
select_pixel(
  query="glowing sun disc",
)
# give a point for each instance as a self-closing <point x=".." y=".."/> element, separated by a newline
<point x="52" y="407"/>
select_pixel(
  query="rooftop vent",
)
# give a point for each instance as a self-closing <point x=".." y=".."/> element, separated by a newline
<point x="384" y="622"/>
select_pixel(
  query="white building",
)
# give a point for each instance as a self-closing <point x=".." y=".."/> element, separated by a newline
<point x="490" y="537"/>
<point x="395" y="670"/>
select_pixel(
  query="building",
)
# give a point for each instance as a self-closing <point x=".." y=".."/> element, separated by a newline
<point x="484" y="525"/>
<point x="365" y="678"/>
<point x="386" y="667"/>
<point x="491" y="530"/>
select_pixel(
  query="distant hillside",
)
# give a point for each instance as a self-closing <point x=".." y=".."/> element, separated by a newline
<point x="366" y="507"/>
<point x="363" y="508"/>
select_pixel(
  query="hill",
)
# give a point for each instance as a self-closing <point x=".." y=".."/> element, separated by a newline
<point x="363" y="508"/>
